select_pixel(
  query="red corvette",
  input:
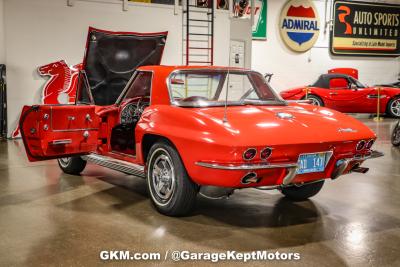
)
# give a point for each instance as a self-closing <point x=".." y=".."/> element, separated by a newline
<point x="191" y="129"/>
<point x="346" y="94"/>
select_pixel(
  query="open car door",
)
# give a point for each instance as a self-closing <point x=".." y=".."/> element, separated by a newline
<point x="55" y="131"/>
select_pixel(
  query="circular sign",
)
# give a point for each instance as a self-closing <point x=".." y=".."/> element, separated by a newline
<point x="299" y="25"/>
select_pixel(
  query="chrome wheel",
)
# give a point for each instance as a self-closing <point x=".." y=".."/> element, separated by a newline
<point x="163" y="176"/>
<point x="314" y="100"/>
<point x="395" y="107"/>
<point x="64" y="162"/>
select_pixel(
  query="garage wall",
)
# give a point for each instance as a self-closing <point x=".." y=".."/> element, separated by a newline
<point x="2" y="44"/>
<point x="241" y="31"/>
<point x="294" y="69"/>
<point x="41" y="31"/>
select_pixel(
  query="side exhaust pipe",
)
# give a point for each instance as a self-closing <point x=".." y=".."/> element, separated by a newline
<point x="359" y="169"/>
<point x="250" y="178"/>
<point x="340" y="168"/>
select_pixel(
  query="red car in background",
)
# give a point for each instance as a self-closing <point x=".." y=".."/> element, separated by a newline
<point x="345" y="93"/>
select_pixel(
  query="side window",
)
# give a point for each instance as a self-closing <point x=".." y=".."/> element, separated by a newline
<point x="82" y="91"/>
<point x="141" y="85"/>
<point x="338" y="83"/>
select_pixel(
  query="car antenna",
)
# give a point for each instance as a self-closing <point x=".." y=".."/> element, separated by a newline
<point x="225" y="119"/>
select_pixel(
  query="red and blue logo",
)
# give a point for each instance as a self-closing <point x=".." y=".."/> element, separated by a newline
<point x="299" y="25"/>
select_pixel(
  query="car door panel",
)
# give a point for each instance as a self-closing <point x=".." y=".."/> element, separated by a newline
<point x="53" y="131"/>
<point x="357" y="101"/>
<point x="346" y="99"/>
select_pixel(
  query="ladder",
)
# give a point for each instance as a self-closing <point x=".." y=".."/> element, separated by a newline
<point x="198" y="32"/>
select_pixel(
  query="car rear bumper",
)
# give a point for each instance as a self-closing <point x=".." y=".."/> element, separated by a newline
<point x="282" y="174"/>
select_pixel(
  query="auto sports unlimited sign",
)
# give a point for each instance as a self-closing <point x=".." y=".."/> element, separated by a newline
<point x="299" y="25"/>
<point x="365" y="29"/>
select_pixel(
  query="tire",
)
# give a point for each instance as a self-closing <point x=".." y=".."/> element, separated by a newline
<point x="302" y="192"/>
<point x="176" y="195"/>
<point x="72" y="165"/>
<point x="316" y="100"/>
<point x="393" y="107"/>
<point x="396" y="135"/>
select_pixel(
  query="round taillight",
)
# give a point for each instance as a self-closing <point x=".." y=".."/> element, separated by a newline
<point x="369" y="144"/>
<point x="249" y="154"/>
<point x="266" y="153"/>
<point x="360" y="145"/>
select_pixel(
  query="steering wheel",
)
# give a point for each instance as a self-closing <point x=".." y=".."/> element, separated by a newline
<point x="132" y="109"/>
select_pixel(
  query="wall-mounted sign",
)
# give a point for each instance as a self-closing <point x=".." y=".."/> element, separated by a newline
<point x="260" y="19"/>
<point x="242" y="9"/>
<point x="60" y="88"/>
<point x="365" y="29"/>
<point x="299" y="25"/>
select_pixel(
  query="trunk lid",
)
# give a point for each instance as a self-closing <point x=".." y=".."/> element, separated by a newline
<point x="112" y="57"/>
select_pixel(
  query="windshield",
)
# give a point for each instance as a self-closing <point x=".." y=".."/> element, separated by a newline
<point x="356" y="83"/>
<point x="199" y="88"/>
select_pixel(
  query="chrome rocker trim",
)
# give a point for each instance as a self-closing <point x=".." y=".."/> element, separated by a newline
<point x="115" y="164"/>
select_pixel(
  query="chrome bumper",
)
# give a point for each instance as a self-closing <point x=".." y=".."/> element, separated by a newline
<point x="290" y="167"/>
<point x="245" y="166"/>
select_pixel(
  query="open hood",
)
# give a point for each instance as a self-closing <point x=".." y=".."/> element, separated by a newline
<point x="112" y="57"/>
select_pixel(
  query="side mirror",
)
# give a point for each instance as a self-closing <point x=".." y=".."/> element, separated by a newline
<point x="268" y="76"/>
<point x="353" y="87"/>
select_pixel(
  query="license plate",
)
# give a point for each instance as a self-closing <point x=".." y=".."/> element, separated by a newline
<point x="309" y="163"/>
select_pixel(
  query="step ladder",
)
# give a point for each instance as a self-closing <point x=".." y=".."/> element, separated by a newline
<point x="198" y="32"/>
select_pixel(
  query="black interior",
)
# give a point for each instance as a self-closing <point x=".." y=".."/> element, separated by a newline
<point x="123" y="134"/>
<point x="123" y="138"/>
<point x="112" y="58"/>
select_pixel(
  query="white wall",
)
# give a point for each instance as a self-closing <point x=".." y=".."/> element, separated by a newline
<point x="241" y="31"/>
<point x="38" y="32"/>
<point x="2" y="44"/>
<point x="295" y="69"/>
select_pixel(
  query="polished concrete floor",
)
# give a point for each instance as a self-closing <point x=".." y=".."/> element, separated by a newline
<point x="49" y="218"/>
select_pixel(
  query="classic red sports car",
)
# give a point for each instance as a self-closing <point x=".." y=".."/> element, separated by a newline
<point x="346" y="94"/>
<point x="191" y="129"/>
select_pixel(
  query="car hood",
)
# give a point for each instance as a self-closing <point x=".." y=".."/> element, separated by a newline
<point x="112" y="57"/>
<point x="272" y="124"/>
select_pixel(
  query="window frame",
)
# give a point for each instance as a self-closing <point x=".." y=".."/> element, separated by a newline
<point x="278" y="100"/>
<point x="135" y="75"/>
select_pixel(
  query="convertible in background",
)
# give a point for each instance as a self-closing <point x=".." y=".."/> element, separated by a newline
<point x="190" y="130"/>
<point x="344" y="93"/>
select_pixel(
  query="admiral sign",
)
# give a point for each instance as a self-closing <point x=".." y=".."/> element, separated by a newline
<point x="365" y="29"/>
<point x="299" y="25"/>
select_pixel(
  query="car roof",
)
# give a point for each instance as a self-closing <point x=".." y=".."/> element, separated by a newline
<point x="323" y="80"/>
<point x="334" y="75"/>
<point x="170" y="68"/>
